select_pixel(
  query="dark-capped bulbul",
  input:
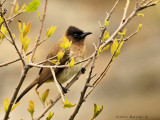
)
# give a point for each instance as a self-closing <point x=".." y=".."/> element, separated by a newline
<point x="77" y="51"/>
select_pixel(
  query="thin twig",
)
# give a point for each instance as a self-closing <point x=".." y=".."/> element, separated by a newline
<point x="13" y="41"/>
<point x="3" y="2"/>
<point x="125" y="12"/>
<point x="40" y="31"/>
<point x="11" y="18"/>
<point x="56" y="66"/>
<point x="98" y="80"/>
<point x="25" y="70"/>
<point x="16" y="60"/>
<point x="56" y="82"/>
<point x="6" y="37"/>
<point x="59" y="96"/>
<point x="13" y="8"/>
<point x="112" y="10"/>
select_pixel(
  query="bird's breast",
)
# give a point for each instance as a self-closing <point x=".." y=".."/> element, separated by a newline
<point x="67" y="73"/>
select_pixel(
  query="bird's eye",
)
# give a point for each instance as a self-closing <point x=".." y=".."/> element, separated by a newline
<point x="75" y="35"/>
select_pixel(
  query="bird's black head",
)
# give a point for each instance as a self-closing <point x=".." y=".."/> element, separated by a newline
<point x="76" y="33"/>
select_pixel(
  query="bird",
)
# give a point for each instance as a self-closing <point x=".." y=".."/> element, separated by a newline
<point x="77" y="50"/>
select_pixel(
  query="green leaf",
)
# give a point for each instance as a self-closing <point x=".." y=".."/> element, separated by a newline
<point x="97" y="111"/>
<point x="31" y="107"/>
<point x="50" y="31"/>
<point x="6" y="104"/>
<point x="114" y="46"/>
<point x="66" y="104"/>
<point x="106" y="23"/>
<point x="15" y="106"/>
<point x="44" y="96"/>
<point x="50" y="115"/>
<point x="66" y="44"/>
<point x="71" y="64"/>
<point x="141" y="14"/>
<point x="33" y="6"/>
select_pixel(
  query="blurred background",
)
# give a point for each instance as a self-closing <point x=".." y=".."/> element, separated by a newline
<point x="131" y="86"/>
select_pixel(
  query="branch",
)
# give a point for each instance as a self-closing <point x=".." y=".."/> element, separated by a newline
<point x="59" y="96"/>
<point x="125" y="12"/>
<point x="81" y="100"/>
<point x="3" y="2"/>
<point x="13" y="41"/>
<point x="6" y="37"/>
<point x="25" y="70"/>
<point x="40" y="31"/>
<point x="13" y="8"/>
<point x="16" y="60"/>
<point x="56" y="82"/>
<point x="56" y="66"/>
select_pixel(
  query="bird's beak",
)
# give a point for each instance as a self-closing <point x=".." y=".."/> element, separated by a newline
<point x="85" y="34"/>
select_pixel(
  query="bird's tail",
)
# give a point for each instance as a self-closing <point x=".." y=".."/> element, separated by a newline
<point x="26" y="90"/>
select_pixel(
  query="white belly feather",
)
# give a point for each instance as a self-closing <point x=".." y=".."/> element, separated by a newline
<point x="67" y="73"/>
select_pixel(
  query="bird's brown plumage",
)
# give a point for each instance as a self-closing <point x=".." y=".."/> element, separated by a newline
<point x="76" y="50"/>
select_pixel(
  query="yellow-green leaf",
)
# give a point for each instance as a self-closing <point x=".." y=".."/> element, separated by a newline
<point x="14" y="36"/>
<point x="97" y="111"/>
<point x="141" y="14"/>
<point x="38" y="14"/>
<point x="15" y="106"/>
<point x="22" y="8"/>
<point x="105" y="48"/>
<point x="44" y="96"/>
<point x="27" y="29"/>
<point x="106" y="36"/>
<point x="54" y="61"/>
<point x="123" y="33"/>
<point x="25" y="42"/>
<point x="20" y="26"/>
<point x="4" y="31"/>
<point x="23" y="27"/>
<point x="114" y="46"/>
<point x="50" y="115"/>
<point x="71" y="64"/>
<point x="106" y="23"/>
<point x="50" y="31"/>
<point x="6" y="104"/>
<point x="66" y="44"/>
<point x="33" y="6"/>
<point x="1" y="20"/>
<point x="31" y="107"/>
<point x="139" y="27"/>
<point x="60" y="55"/>
<point x="67" y="104"/>
<point x="16" y="9"/>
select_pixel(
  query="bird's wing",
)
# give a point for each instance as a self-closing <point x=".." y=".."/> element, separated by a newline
<point x="45" y="73"/>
